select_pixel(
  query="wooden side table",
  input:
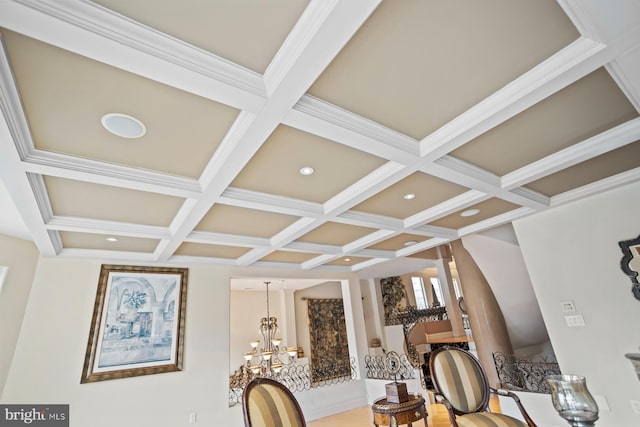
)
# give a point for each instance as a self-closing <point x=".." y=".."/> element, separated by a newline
<point x="394" y="414"/>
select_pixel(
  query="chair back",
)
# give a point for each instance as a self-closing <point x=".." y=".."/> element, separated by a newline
<point x="459" y="377"/>
<point x="268" y="403"/>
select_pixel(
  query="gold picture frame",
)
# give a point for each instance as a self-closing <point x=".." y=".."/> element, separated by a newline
<point x="138" y="322"/>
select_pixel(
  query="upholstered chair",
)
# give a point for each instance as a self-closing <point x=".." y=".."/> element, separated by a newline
<point x="268" y="403"/>
<point x="461" y="385"/>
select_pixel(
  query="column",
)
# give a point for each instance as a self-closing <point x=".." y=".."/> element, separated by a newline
<point x="288" y="321"/>
<point x="485" y="317"/>
<point x="446" y="283"/>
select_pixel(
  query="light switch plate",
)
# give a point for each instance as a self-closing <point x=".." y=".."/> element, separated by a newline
<point x="568" y="307"/>
<point x="575" y="320"/>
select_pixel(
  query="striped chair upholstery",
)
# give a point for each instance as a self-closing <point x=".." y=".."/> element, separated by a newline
<point x="268" y="403"/>
<point x="461" y="384"/>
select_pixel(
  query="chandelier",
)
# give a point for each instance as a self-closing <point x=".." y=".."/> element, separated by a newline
<point x="268" y="360"/>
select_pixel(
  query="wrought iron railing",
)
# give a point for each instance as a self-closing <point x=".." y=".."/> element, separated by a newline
<point x="296" y="377"/>
<point x="411" y="314"/>
<point x="408" y="318"/>
<point x="376" y="369"/>
<point x="525" y="374"/>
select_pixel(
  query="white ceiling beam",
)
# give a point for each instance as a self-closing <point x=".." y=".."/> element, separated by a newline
<point x="88" y="29"/>
<point x="565" y="67"/>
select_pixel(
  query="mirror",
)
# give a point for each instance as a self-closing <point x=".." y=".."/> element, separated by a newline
<point x="630" y="263"/>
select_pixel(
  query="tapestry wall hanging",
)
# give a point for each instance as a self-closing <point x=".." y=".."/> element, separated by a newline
<point x="328" y="336"/>
<point x="393" y="297"/>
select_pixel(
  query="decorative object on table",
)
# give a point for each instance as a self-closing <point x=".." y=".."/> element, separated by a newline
<point x="138" y="322"/>
<point x="461" y="385"/>
<point x="267" y="361"/>
<point x="630" y="263"/>
<point x="396" y="392"/>
<point x="329" y="352"/>
<point x="635" y="361"/>
<point x="572" y="400"/>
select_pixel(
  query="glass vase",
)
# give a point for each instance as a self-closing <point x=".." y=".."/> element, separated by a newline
<point x="572" y="400"/>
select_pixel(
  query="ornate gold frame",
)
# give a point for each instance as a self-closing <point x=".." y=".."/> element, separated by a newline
<point x="113" y="331"/>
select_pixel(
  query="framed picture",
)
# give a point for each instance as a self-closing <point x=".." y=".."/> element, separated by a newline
<point x="138" y="323"/>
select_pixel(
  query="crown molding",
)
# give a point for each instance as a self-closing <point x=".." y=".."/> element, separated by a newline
<point x="86" y="225"/>
<point x="97" y="172"/>
<point x="267" y="202"/>
<point x="329" y="121"/>
<point x="563" y="68"/>
<point x="94" y="31"/>
<point x="602" y="143"/>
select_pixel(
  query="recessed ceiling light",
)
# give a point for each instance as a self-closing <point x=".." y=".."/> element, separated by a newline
<point x="470" y="212"/>
<point x="111" y="239"/>
<point x="410" y="243"/>
<point x="409" y="196"/>
<point x="307" y="170"/>
<point x="124" y="126"/>
<point x="347" y="259"/>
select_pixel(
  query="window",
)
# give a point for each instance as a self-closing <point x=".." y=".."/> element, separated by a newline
<point x="435" y="284"/>
<point x="418" y="291"/>
<point x="456" y="288"/>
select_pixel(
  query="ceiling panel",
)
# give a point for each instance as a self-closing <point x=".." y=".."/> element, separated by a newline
<point x="614" y="162"/>
<point x="74" y="240"/>
<point x="275" y="168"/>
<point x="243" y="221"/>
<point x="398" y="242"/>
<point x="211" y="251"/>
<point x="289" y="256"/>
<point x="347" y="261"/>
<point x="416" y="64"/>
<point x="428" y="191"/>
<point x="246" y="32"/>
<point x="335" y="233"/>
<point x="487" y="209"/>
<point x="66" y="95"/>
<point x="586" y="108"/>
<point x="96" y="201"/>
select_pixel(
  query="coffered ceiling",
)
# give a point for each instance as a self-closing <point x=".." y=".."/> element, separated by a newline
<point x="413" y="114"/>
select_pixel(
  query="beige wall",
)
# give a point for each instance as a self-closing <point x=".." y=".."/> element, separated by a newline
<point x="21" y="258"/>
<point x="50" y="353"/>
<point x="572" y="253"/>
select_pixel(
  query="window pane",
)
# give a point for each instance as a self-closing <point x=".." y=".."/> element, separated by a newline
<point x="418" y="291"/>
<point x="435" y="283"/>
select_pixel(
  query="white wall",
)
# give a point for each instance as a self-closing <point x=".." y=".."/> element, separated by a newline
<point x="503" y="266"/>
<point x="51" y="347"/>
<point x="20" y="257"/>
<point x="246" y="308"/>
<point x="572" y="253"/>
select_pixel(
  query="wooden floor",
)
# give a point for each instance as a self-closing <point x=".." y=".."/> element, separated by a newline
<point x="362" y="417"/>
